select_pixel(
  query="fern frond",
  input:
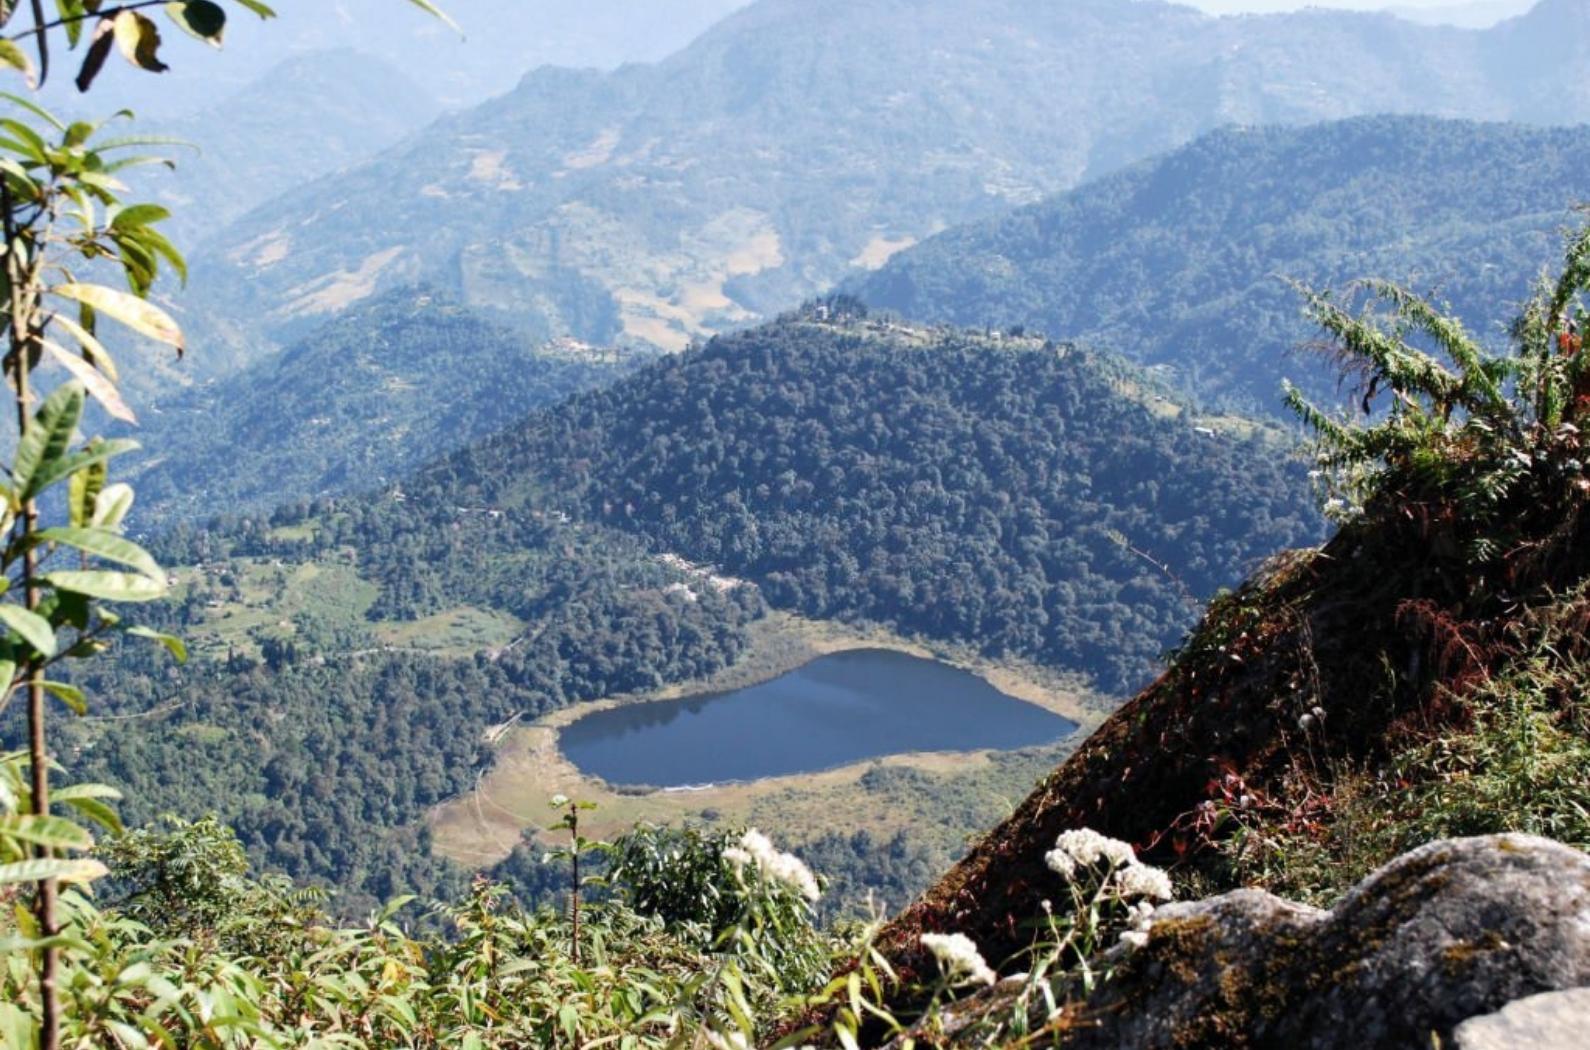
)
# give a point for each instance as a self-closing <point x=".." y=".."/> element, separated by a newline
<point x="1575" y="277"/>
<point x="1391" y="362"/>
<point x="1481" y="373"/>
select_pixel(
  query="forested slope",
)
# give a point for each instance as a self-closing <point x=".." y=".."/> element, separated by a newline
<point x="1180" y="260"/>
<point x="1024" y="497"/>
<point x="1029" y="498"/>
<point x="349" y="660"/>
<point x="361" y="401"/>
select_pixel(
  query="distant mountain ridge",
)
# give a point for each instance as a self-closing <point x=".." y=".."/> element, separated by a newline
<point x="340" y="107"/>
<point x="798" y="141"/>
<point x="1178" y="261"/>
<point x="1474" y="14"/>
<point x="396" y="381"/>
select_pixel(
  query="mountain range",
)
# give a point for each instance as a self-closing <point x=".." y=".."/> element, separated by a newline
<point x="329" y="109"/>
<point x="1181" y="262"/>
<point x="1177" y="263"/>
<point x="796" y="142"/>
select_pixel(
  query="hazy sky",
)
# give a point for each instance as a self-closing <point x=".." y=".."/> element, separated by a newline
<point x="1226" y="7"/>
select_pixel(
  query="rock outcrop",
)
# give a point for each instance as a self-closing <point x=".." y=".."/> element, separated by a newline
<point x="1450" y="931"/>
<point x="1548" y="1021"/>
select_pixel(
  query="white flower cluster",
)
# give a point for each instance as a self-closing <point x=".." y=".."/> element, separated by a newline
<point x="958" y="956"/>
<point x="1140" y="880"/>
<point x="1142" y="918"/>
<point x="1084" y="848"/>
<point x="734" y="1040"/>
<point x="758" y="850"/>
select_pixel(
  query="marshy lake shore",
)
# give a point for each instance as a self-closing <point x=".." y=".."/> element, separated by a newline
<point x="510" y="799"/>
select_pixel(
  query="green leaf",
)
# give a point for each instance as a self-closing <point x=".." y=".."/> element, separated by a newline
<point x="138" y="40"/>
<point x="48" y="438"/>
<point x="430" y="8"/>
<point x="100" y="388"/>
<point x="108" y="586"/>
<point x="78" y="132"/>
<point x="392" y="907"/>
<point x="111" y="506"/>
<point x="70" y="695"/>
<point x="102" y="543"/>
<point x="65" y="609"/>
<point x="34" y="108"/>
<point x="93" y="350"/>
<point x="176" y="646"/>
<point x="28" y="142"/>
<point x="97" y="452"/>
<point x="201" y="18"/>
<point x="8" y="672"/>
<point x="138" y="215"/>
<point x="17" y="1030"/>
<point x="33" y="628"/>
<point x="72" y="792"/>
<point x="13" y="56"/>
<point x="82" y="492"/>
<point x="259" y="8"/>
<point x="54" y="832"/>
<point x="155" y="241"/>
<point x="142" y="317"/>
<point x="95" y="810"/>
<point x="60" y="869"/>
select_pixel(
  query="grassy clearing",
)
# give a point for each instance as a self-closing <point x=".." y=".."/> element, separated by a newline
<point x="302" y="532"/>
<point x="952" y="795"/>
<point x="460" y="631"/>
<point x="240" y="603"/>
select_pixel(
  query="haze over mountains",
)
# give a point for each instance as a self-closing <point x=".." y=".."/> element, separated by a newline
<point x="339" y="107"/>
<point x="949" y="328"/>
<point x="1476" y="14"/>
<point x="497" y="42"/>
<point x="796" y="142"/>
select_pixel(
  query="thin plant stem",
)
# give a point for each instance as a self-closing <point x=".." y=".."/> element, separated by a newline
<point x="22" y="274"/>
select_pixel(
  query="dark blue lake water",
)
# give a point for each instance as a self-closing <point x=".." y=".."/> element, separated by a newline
<point x="838" y="709"/>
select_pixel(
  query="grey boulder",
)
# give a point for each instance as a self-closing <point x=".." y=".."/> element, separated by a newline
<point x="1548" y="1021"/>
<point x="1454" y="930"/>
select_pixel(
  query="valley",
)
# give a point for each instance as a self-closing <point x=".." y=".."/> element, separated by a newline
<point x="539" y="570"/>
<point x="850" y="524"/>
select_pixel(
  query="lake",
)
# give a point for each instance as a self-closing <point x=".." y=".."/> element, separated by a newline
<point x="841" y="708"/>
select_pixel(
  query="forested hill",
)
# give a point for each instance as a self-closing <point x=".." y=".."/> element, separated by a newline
<point x="366" y="398"/>
<point x="348" y="664"/>
<point x="1178" y="260"/>
<point x="1004" y="491"/>
<point x="799" y="140"/>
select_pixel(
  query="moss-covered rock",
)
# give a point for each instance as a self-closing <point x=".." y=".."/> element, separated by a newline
<point x="1450" y="931"/>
